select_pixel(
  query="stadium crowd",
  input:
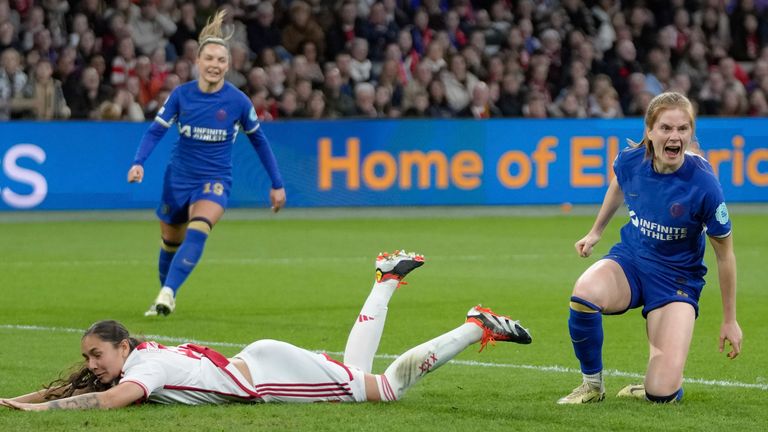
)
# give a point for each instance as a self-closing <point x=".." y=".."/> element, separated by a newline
<point x="119" y="59"/>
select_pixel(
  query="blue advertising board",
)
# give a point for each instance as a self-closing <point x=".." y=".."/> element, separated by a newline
<point x="83" y="165"/>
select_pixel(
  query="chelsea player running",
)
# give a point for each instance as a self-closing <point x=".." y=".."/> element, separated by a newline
<point x="674" y="199"/>
<point x="198" y="179"/>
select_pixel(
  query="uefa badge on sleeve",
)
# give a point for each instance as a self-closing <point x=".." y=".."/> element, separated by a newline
<point x="722" y="214"/>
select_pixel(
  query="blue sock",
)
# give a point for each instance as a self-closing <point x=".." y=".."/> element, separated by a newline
<point x="188" y="254"/>
<point x="167" y="251"/>
<point x="586" y="327"/>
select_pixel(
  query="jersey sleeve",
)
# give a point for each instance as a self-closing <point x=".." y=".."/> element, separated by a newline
<point x="715" y="212"/>
<point x="169" y="112"/>
<point x="146" y="371"/>
<point x="248" y="118"/>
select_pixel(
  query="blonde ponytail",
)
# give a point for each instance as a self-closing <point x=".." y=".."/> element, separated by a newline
<point x="212" y="33"/>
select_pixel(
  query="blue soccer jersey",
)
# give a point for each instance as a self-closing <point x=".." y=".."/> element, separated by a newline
<point x="670" y="213"/>
<point x="208" y="124"/>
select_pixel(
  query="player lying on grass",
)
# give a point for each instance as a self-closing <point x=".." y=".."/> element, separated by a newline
<point x="120" y="370"/>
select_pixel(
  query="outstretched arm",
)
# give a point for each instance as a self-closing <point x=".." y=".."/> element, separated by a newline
<point x="726" y="274"/>
<point x="149" y="141"/>
<point x="613" y="199"/>
<point x="117" y="397"/>
<point x="261" y="145"/>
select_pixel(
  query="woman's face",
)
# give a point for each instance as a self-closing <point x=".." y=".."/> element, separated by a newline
<point x="103" y="358"/>
<point x="671" y="135"/>
<point x="213" y="63"/>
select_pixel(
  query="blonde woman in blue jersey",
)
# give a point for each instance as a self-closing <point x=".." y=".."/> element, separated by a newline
<point x="674" y="202"/>
<point x="198" y="179"/>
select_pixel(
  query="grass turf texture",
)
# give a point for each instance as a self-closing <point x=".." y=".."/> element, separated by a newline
<point x="304" y="280"/>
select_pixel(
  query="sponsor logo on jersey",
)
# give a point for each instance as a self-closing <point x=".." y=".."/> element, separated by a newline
<point x="722" y="214"/>
<point x="203" y="134"/>
<point x="657" y="231"/>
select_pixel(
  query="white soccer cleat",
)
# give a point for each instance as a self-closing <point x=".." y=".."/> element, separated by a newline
<point x="397" y="264"/>
<point x="585" y="393"/>
<point x="634" y="391"/>
<point x="164" y="303"/>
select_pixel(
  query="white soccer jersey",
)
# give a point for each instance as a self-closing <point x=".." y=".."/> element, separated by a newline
<point x="193" y="375"/>
<point x="186" y="374"/>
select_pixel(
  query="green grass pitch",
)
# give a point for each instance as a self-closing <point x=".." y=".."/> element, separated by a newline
<point x="303" y="280"/>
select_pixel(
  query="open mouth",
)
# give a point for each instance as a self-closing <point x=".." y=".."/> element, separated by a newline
<point x="672" y="150"/>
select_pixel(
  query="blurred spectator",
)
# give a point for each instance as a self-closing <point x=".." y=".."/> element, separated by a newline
<point x="455" y="34"/>
<point x="639" y="104"/>
<point x="276" y="79"/>
<point x="438" y="102"/>
<point x="360" y="65"/>
<point x="288" y="107"/>
<point x="316" y="108"/>
<point x="263" y="32"/>
<point x="457" y="82"/>
<point x="365" y="96"/>
<point x="302" y="27"/>
<point x="435" y="57"/>
<point x="711" y="94"/>
<point x="33" y="24"/>
<point x="186" y="26"/>
<point x="421" y="33"/>
<point x="238" y="65"/>
<point x="12" y="76"/>
<point x="409" y="57"/>
<point x="379" y="31"/>
<point x="382" y="101"/>
<point x="150" y="28"/>
<point x="124" y="63"/>
<point x="659" y="80"/>
<point x="419" y="108"/>
<point x="87" y="96"/>
<point x="535" y="106"/>
<point x="607" y="105"/>
<point x="348" y="26"/>
<point x="418" y="84"/>
<point x="567" y="106"/>
<point x="734" y="103"/>
<point x="149" y="83"/>
<point x="758" y="105"/>
<point x="623" y="65"/>
<point x="390" y="77"/>
<point x="123" y="106"/>
<point x="480" y="106"/>
<point x="337" y="101"/>
<point x="713" y="22"/>
<point x="511" y="97"/>
<point x="42" y="97"/>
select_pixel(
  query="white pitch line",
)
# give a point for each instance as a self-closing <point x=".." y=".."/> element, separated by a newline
<point x="269" y="261"/>
<point x="556" y="369"/>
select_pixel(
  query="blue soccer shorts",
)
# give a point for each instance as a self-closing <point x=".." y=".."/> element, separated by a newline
<point x="654" y="286"/>
<point x="179" y="194"/>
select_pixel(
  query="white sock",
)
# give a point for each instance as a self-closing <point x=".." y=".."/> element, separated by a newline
<point x="364" y="338"/>
<point x="410" y="367"/>
<point x="594" y="380"/>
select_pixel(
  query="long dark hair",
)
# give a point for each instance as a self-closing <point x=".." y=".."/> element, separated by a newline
<point x="81" y="378"/>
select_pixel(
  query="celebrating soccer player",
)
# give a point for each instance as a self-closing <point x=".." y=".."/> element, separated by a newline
<point x="198" y="179"/>
<point x="674" y="199"/>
